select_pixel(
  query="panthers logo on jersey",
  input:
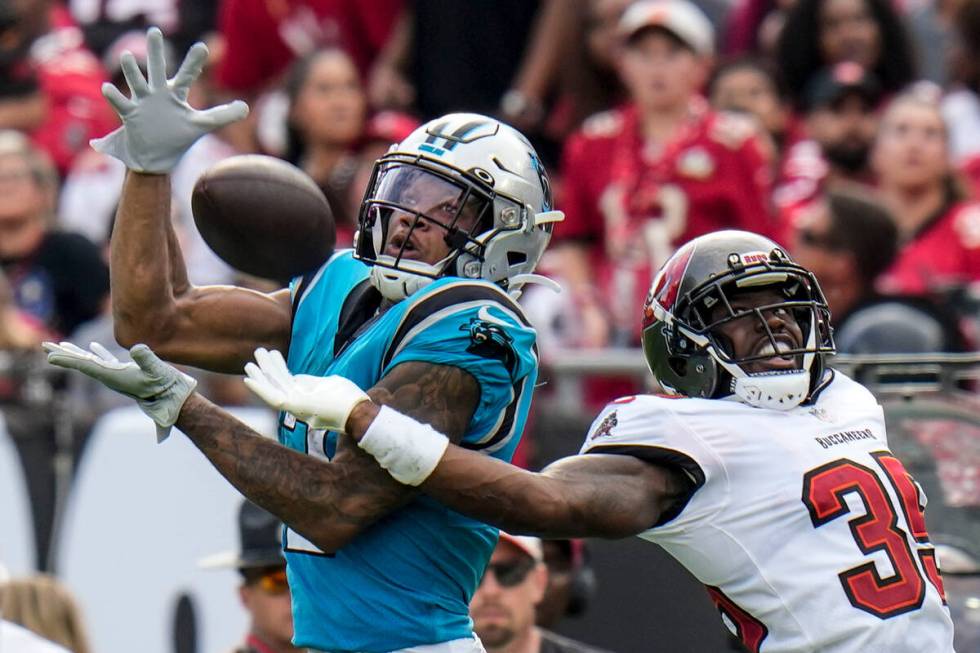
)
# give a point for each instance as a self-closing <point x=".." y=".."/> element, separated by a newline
<point x="489" y="339"/>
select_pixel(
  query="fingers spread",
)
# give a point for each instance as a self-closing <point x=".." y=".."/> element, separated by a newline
<point x="156" y="64"/>
<point x="120" y="103"/>
<point x="190" y="70"/>
<point x="134" y="77"/>
<point x="221" y="115"/>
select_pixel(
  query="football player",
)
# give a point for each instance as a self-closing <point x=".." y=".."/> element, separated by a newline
<point x="765" y="473"/>
<point x="422" y="312"/>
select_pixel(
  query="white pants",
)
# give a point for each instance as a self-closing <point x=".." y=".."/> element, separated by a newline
<point x="465" y="645"/>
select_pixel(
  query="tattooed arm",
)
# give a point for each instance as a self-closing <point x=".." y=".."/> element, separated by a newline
<point x="591" y="495"/>
<point x="329" y="503"/>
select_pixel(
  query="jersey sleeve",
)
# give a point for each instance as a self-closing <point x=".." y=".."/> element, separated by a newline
<point x="478" y="329"/>
<point x="646" y="427"/>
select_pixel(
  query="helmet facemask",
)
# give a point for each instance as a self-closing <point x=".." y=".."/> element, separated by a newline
<point x="406" y="198"/>
<point x="704" y="313"/>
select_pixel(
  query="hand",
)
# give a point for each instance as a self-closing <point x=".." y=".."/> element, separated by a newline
<point x="159" y="389"/>
<point x="158" y="123"/>
<point x="323" y="402"/>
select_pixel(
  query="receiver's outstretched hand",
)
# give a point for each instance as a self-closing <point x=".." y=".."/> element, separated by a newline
<point x="323" y="402"/>
<point x="158" y="123"/>
<point x="158" y="388"/>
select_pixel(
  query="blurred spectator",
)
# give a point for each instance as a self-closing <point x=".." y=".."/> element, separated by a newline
<point x="290" y="30"/>
<point x="589" y="82"/>
<point x="821" y="33"/>
<point x="19" y="639"/>
<point x="183" y="21"/>
<point x="571" y="581"/>
<point x="503" y="606"/>
<point x="961" y="106"/>
<point x="525" y="40"/>
<point x="754" y="26"/>
<point x="643" y="179"/>
<point x="265" y="590"/>
<point x="57" y="277"/>
<point x="18" y="330"/>
<point x="938" y="229"/>
<point x="44" y="606"/>
<point x="848" y="239"/>
<point x="840" y="123"/>
<point x="327" y="107"/>
<point x="49" y="81"/>
<point x="751" y="86"/>
<point x="931" y="27"/>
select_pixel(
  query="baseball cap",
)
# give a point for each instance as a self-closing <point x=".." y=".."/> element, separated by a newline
<point x="528" y="545"/>
<point x="830" y="85"/>
<point x="260" y="534"/>
<point x="679" y="17"/>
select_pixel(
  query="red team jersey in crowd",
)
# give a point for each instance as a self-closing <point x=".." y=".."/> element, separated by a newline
<point x="806" y="530"/>
<point x="290" y="29"/>
<point x="637" y="204"/>
<point x="70" y="77"/>
<point x="946" y="252"/>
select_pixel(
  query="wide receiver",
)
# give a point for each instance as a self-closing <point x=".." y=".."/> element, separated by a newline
<point x="453" y="223"/>
<point x="764" y="473"/>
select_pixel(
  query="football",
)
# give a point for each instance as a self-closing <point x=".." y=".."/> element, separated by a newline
<point x="263" y="217"/>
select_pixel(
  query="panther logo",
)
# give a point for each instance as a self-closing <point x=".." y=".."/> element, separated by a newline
<point x="489" y="339"/>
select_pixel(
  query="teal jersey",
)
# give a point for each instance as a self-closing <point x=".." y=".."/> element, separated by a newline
<point x="406" y="580"/>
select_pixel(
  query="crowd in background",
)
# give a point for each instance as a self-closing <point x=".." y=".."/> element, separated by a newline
<point x="846" y="130"/>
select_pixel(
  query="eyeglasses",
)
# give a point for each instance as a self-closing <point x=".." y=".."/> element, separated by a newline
<point x="272" y="582"/>
<point x="510" y="574"/>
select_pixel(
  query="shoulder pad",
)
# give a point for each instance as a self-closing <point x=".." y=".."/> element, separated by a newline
<point x="732" y="130"/>
<point x="603" y="124"/>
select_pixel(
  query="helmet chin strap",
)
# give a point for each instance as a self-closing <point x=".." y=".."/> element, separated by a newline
<point x="783" y="390"/>
<point x="776" y="390"/>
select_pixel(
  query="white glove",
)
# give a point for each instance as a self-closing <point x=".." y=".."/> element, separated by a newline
<point x="159" y="389"/>
<point x="158" y="124"/>
<point x="323" y="402"/>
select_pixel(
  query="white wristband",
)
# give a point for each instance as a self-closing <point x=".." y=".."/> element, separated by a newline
<point x="408" y="449"/>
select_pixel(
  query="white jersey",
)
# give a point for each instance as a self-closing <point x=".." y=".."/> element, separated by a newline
<point x="808" y="533"/>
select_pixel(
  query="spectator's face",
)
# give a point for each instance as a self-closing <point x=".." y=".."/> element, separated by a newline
<point x="659" y="72"/>
<point x="911" y="151"/>
<point x="816" y="249"/>
<point x="503" y="605"/>
<point x="848" y="32"/>
<point x="844" y="131"/>
<point x="750" y="91"/>
<point x="268" y="602"/>
<point x="746" y="336"/>
<point x="330" y="105"/>
<point x="22" y="208"/>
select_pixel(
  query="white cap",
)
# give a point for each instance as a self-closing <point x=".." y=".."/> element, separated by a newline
<point x="679" y="17"/>
<point x="529" y="545"/>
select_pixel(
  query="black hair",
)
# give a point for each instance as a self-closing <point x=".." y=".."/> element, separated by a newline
<point x="753" y="63"/>
<point x="799" y="56"/>
<point x="863" y="226"/>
